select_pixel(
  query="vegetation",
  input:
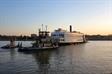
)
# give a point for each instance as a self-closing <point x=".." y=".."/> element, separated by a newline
<point x="99" y="37"/>
<point x="18" y="38"/>
<point x="30" y="38"/>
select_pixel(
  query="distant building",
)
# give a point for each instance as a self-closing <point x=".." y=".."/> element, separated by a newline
<point x="33" y="35"/>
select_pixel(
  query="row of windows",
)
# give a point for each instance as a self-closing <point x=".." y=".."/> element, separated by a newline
<point x="61" y="39"/>
<point x="61" y="35"/>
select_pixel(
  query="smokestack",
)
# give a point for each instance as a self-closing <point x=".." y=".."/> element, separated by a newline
<point x="70" y="28"/>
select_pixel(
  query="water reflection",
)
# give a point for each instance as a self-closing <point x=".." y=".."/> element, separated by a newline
<point x="42" y="57"/>
<point x="42" y="60"/>
<point x="94" y="57"/>
<point x="12" y="54"/>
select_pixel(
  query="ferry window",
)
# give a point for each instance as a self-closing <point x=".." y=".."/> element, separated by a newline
<point x="53" y="35"/>
<point x="61" y="39"/>
<point x="62" y="35"/>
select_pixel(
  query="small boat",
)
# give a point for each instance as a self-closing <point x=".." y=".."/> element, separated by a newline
<point x="8" y="47"/>
<point x="11" y="45"/>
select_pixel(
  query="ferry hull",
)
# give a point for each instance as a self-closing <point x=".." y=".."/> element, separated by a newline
<point x="70" y="43"/>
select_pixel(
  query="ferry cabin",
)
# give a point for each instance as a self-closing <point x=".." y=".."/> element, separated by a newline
<point x="65" y="37"/>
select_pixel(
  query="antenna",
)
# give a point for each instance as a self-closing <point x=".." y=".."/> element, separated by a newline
<point x="42" y="27"/>
<point x="46" y="27"/>
<point x="39" y="29"/>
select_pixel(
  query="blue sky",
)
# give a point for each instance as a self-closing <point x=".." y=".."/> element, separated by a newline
<point x="26" y="16"/>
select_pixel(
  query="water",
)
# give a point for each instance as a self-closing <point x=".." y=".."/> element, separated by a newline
<point x="94" y="57"/>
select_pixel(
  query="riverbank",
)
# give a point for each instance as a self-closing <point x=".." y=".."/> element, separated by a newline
<point x="30" y="38"/>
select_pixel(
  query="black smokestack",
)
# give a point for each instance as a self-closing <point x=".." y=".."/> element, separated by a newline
<point x="70" y="28"/>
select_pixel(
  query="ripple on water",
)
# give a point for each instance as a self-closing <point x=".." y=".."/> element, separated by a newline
<point x="94" y="57"/>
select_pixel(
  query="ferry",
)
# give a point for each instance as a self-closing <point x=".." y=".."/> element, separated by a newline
<point x="68" y="37"/>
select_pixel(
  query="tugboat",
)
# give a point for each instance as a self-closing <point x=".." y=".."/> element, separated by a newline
<point x="42" y="42"/>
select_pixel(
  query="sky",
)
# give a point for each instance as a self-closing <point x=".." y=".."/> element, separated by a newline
<point x="24" y="17"/>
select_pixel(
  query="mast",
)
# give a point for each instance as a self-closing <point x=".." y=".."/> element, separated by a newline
<point x="46" y="28"/>
<point x="42" y="27"/>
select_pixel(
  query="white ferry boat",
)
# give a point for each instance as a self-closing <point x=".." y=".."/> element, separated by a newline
<point x="65" y="37"/>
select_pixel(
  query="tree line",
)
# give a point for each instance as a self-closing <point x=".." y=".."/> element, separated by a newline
<point x="30" y="38"/>
<point x="18" y="38"/>
<point x="99" y="37"/>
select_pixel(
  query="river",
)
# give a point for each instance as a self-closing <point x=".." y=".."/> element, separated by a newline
<point x="93" y="57"/>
